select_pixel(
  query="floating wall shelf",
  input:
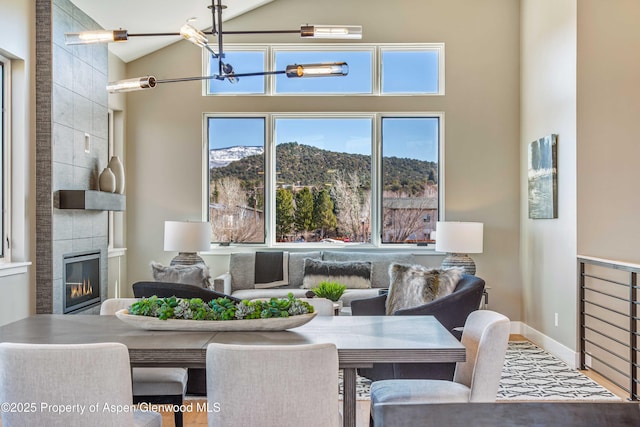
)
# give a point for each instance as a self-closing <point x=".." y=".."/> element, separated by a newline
<point x="91" y="200"/>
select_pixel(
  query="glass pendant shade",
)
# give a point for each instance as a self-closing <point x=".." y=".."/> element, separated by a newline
<point x="128" y="85"/>
<point x="99" y="36"/>
<point x="318" y="70"/>
<point x="331" y="31"/>
<point x="194" y="35"/>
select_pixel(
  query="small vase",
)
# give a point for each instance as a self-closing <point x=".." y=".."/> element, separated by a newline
<point x="118" y="170"/>
<point x="107" y="181"/>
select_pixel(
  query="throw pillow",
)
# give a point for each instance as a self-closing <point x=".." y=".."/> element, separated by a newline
<point x="195" y="274"/>
<point x="354" y="275"/>
<point x="271" y="269"/>
<point x="415" y="285"/>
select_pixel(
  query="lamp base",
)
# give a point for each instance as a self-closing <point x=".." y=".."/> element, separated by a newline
<point x="460" y="260"/>
<point x="187" y="258"/>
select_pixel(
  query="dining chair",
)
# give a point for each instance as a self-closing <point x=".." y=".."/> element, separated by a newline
<point x="70" y="385"/>
<point x="272" y="385"/>
<point x="153" y="385"/>
<point x="485" y="336"/>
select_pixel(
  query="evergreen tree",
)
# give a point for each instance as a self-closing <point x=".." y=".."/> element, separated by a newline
<point x="284" y="212"/>
<point x="304" y="210"/>
<point x="323" y="216"/>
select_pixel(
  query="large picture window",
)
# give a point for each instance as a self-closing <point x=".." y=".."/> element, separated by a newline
<point x="236" y="179"/>
<point x="324" y="178"/>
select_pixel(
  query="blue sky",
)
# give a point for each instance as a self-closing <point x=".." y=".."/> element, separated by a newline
<point x="414" y="138"/>
<point x="402" y="71"/>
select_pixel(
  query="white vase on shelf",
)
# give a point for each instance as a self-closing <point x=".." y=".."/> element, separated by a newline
<point x="107" y="181"/>
<point x="118" y="170"/>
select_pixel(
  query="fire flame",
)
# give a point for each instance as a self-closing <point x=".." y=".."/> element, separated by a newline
<point x="81" y="289"/>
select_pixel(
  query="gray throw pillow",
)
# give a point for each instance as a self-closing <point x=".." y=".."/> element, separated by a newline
<point x="415" y="285"/>
<point x="354" y="275"/>
<point x="196" y="274"/>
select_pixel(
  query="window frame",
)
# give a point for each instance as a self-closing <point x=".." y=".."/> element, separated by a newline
<point x="5" y="158"/>
<point x="376" y="70"/>
<point x="437" y="47"/>
<point x="376" y="213"/>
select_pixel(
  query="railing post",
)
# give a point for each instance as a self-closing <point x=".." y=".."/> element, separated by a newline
<point x="581" y="297"/>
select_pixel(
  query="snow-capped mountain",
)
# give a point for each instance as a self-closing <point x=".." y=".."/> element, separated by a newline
<point x="223" y="156"/>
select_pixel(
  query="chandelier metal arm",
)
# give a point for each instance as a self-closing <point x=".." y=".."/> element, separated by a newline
<point x="218" y="76"/>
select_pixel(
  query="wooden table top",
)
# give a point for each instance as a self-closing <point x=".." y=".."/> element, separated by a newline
<point x="360" y="340"/>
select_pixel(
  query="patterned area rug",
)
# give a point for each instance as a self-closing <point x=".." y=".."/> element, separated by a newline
<point x="530" y="373"/>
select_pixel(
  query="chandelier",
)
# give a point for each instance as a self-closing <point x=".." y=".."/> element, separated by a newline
<point x="225" y="70"/>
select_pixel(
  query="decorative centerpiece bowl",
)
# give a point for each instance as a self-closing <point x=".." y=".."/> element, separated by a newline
<point x="221" y="314"/>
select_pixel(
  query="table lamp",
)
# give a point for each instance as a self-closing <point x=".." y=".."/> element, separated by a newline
<point x="187" y="238"/>
<point x="458" y="239"/>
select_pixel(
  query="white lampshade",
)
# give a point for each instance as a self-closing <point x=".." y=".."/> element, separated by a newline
<point x="184" y="236"/>
<point x="459" y="237"/>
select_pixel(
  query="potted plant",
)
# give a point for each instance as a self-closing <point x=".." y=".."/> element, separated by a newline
<point x="329" y="290"/>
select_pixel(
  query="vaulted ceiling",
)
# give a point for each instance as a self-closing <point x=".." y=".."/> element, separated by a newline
<point x="156" y="16"/>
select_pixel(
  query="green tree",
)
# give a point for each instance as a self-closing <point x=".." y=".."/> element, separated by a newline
<point x="284" y="212"/>
<point x="304" y="210"/>
<point x="323" y="216"/>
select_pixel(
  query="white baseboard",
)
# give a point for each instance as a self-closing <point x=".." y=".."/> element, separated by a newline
<point x="562" y="352"/>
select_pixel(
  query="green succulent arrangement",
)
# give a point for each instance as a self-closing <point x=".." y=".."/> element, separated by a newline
<point x="219" y="308"/>
<point x="329" y="290"/>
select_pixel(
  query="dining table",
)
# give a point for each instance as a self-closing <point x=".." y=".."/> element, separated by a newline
<point x="361" y="341"/>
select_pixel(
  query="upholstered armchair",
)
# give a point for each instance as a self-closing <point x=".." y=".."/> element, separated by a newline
<point x="451" y="310"/>
<point x="180" y="290"/>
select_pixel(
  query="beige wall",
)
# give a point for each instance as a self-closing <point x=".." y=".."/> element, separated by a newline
<point x="481" y="106"/>
<point x="17" y="295"/>
<point x="608" y="129"/>
<point x="548" y="105"/>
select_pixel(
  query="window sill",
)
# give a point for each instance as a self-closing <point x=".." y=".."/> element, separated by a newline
<point x="302" y="247"/>
<point x="13" y="268"/>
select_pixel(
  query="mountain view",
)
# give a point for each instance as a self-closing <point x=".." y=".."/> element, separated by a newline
<point x="304" y="165"/>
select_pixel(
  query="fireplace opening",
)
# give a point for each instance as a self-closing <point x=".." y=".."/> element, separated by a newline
<point x="81" y="279"/>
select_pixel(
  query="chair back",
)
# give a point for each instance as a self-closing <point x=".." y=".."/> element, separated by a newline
<point x="485" y="336"/>
<point x="272" y="385"/>
<point x="111" y="305"/>
<point x="87" y="376"/>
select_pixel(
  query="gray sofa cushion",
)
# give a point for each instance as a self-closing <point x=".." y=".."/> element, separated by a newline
<point x="242" y="269"/>
<point x="269" y="293"/>
<point x="379" y="263"/>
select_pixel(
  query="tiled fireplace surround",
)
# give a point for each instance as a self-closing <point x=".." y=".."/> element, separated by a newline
<point x="71" y="106"/>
